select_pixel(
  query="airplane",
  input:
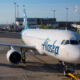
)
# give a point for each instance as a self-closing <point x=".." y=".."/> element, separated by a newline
<point x="63" y="45"/>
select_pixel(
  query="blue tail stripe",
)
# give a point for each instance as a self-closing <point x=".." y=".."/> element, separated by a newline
<point x="25" y="20"/>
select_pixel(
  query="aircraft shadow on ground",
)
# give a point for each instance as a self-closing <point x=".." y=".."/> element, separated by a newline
<point x="37" y="67"/>
<point x="34" y="66"/>
<point x="77" y="67"/>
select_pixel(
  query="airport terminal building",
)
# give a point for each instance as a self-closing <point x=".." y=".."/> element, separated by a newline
<point x="36" y="22"/>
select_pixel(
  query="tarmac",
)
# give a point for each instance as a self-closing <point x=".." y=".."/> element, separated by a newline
<point x="37" y="67"/>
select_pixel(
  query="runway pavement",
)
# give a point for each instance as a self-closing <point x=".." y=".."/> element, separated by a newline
<point x="35" y="67"/>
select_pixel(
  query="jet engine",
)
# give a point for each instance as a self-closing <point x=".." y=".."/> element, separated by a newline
<point x="14" y="56"/>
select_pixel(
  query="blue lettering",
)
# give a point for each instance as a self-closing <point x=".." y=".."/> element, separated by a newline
<point x="51" y="48"/>
<point x="56" y="50"/>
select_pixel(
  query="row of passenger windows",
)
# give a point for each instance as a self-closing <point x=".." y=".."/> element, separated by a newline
<point x="73" y="42"/>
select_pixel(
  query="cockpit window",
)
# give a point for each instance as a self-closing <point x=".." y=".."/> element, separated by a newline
<point x="79" y="41"/>
<point x="73" y="42"/>
<point x="63" y="42"/>
<point x="67" y="42"/>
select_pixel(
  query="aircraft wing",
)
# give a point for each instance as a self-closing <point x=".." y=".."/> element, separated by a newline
<point x="18" y="45"/>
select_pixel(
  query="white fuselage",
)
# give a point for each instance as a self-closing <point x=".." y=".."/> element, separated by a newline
<point x="49" y="42"/>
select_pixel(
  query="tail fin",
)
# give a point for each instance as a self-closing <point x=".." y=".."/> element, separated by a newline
<point x="25" y="20"/>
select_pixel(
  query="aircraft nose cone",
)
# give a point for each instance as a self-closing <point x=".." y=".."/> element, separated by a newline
<point x="75" y="53"/>
<point x="70" y="53"/>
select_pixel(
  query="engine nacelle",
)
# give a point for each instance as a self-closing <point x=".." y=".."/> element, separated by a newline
<point x="14" y="56"/>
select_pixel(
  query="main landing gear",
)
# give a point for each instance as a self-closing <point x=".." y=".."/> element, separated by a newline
<point x="23" y="55"/>
<point x="24" y="58"/>
<point x="66" y="68"/>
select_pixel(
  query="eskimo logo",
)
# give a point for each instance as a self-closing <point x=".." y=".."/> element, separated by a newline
<point x="52" y="48"/>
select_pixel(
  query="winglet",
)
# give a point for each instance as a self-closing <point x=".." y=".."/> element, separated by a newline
<point x="25" y="19"/>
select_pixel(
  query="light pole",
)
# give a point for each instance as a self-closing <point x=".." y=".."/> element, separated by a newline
<point x="15" y="11"/>
<point x="79" y="16"/>
<point x="54" y="13"/>
<point x="67" y="16"/>
<point x="23" y="6"/>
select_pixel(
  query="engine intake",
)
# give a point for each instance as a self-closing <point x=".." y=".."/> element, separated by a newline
<point x="14" y="56"/>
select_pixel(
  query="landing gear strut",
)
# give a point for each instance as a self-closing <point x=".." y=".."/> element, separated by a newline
<point x="23" y="55"/>
<point x="66" y="68"/>
<point x="23" y="58"/>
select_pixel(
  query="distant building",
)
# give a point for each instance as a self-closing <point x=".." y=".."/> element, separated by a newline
<point x="50" y="22"/>
<point x="36" y="22"/>
<point x="19" y="21"/>
<point x="77" y="26"/>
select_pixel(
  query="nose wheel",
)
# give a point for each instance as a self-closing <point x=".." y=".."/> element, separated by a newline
<point x="66" y="68"/>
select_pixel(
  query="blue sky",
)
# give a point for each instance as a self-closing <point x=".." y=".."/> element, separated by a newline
<point x="40" y="8"/>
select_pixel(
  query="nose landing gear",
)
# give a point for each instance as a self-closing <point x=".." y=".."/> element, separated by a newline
<point x="66" y="68"/>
